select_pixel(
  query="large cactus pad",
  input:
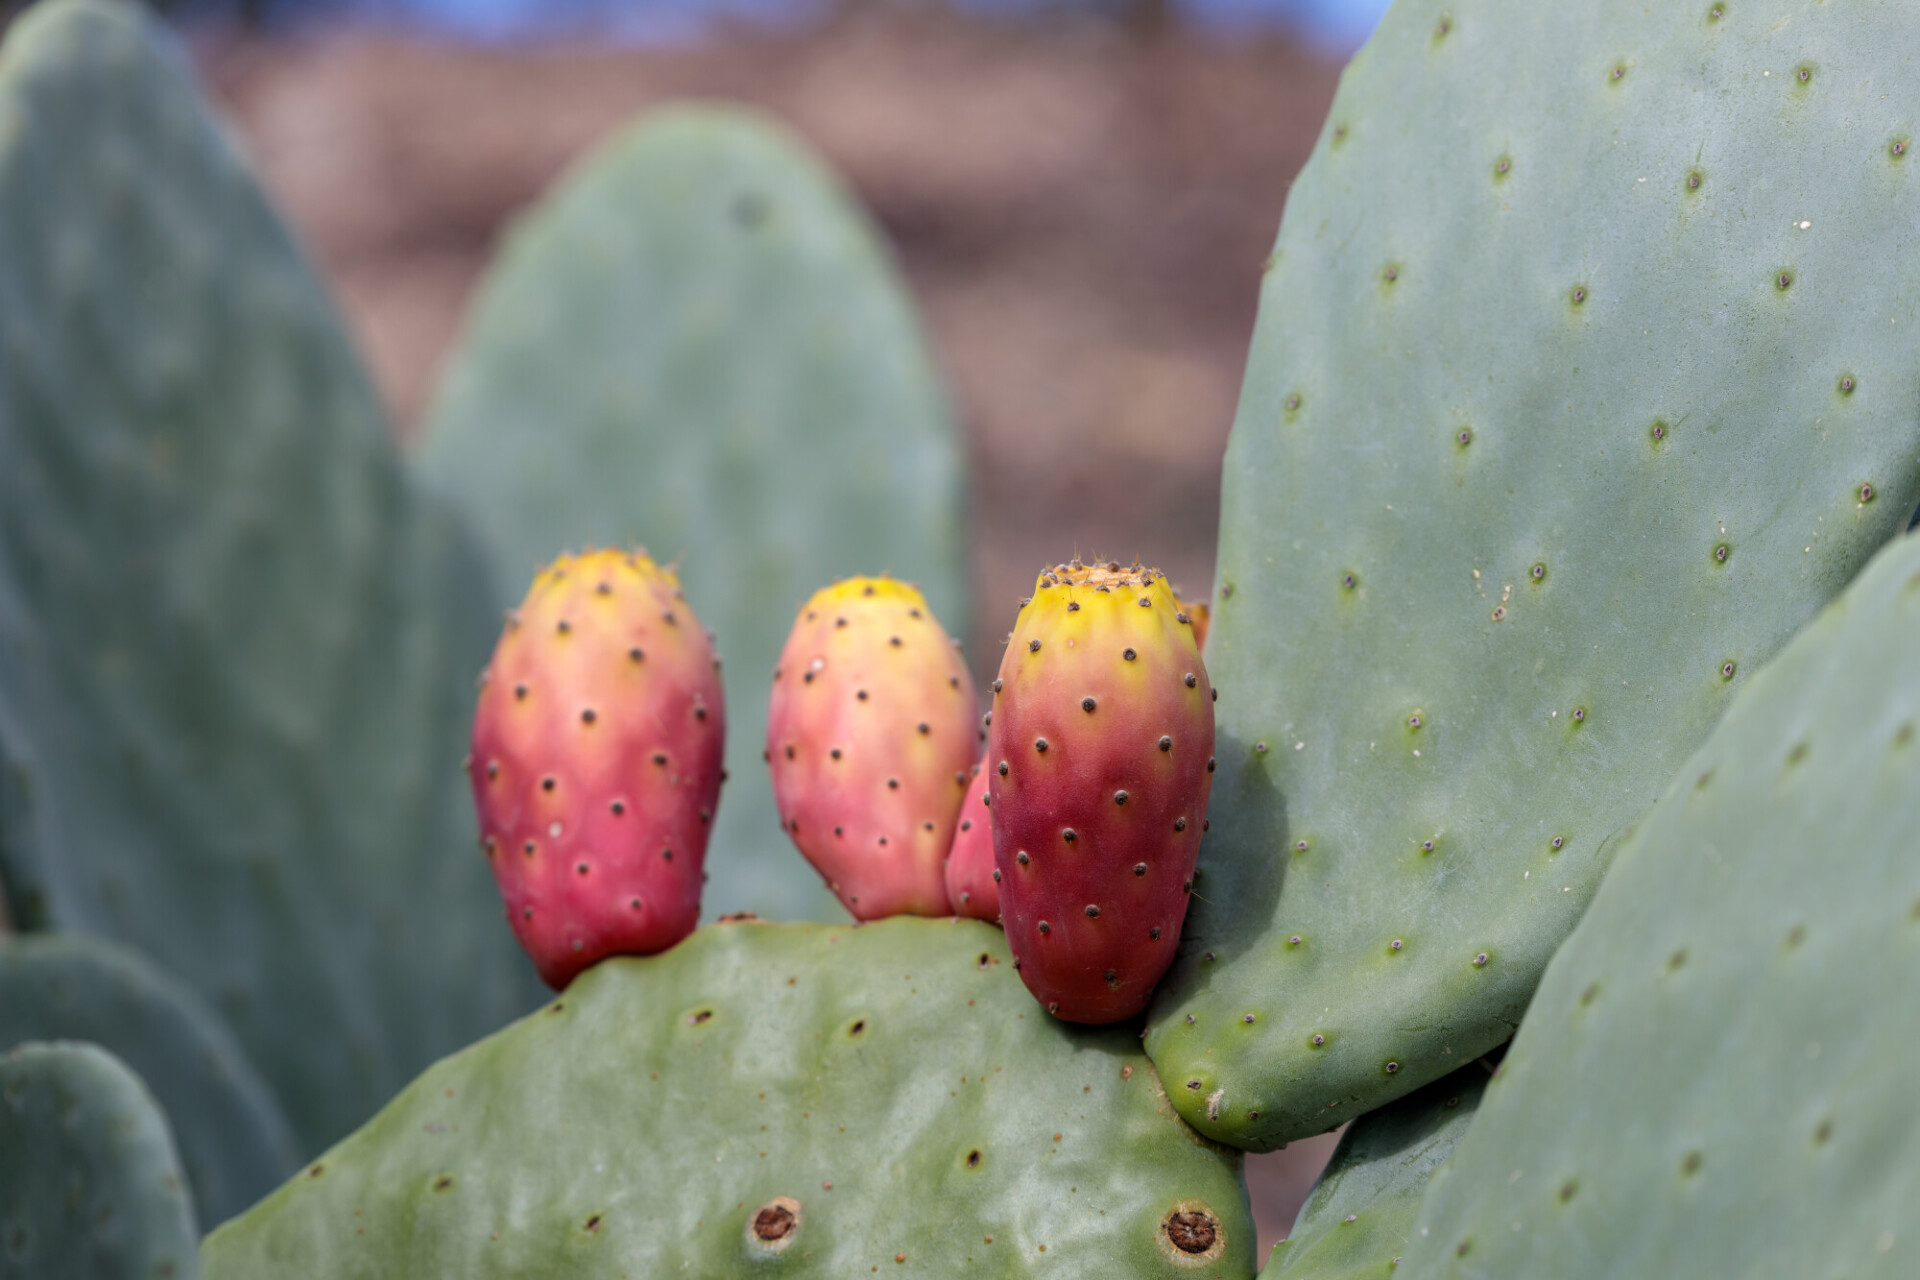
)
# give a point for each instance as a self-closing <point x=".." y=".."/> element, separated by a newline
<point x="235" y="1144"/>
<point x="697" y="343"/>
<point x="93" y="1187"/>
<point x="813" y="1100"/>
<point x="1715" y="1077"/>
<point x="236" y="651"/>
<point x="1584" y="375"/>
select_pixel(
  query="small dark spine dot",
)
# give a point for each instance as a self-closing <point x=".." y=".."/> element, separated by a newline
<point x="1087" y="704"/>
<point x="1045" y="927"/>
<point x="1166" y="742"/>
<point x="1190" y="680"/>
<point x="1033" y="646"/>
<point x="1179" y="824"/>
<point x="1069" y="835"/>
<point x="1040" y="745"/>
<point x="1093" y="912"/>
<point x="1119" y="797"/>
<point x="1128" y="654"/>
<point x="1021" y="857"/>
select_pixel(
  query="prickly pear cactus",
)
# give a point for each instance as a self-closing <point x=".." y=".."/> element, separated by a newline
<point x="696" y="343"/>
<point x="1713" y="1078"/>
<point x="870" y="733"/>
<point x="239" y="650"/>
<point x="1583" y="377"/>
<point x="1355" y="1224"/>
<point x="819" y="1100"/>
<point x="596" y="762"/>
<point x="1099" y="764"/>
<point x="93" y="1185"/>
<point x="235" y="1144"/>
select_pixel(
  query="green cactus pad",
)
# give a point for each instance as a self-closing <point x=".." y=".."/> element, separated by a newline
<point x="1584" y="375"/>
<point x="814" y="1100"/>
<point x="1354" y="1226"/>
<point x="697" y="344"/>
<point x="1715" y="1077"/>
<point x="236" y="651"/>
<point x="235" y="1144"/>
<point x="93" y="1186"/>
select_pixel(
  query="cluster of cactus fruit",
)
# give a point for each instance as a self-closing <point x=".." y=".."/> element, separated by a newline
<point x="597" y="750"/>
<point x="1562" y="615"/>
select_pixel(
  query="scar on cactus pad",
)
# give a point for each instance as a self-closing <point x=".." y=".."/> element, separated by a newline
<point x="596" y="763"/>
<point x="870" y="734"/>
<point x="1100" y="760"/>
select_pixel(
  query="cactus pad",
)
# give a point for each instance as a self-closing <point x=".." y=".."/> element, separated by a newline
<point x="239" y="651"/>
<point x="93" y="1185"/>
<point x="1714" y="1077"/>
<point x="817" y="1100"/>
<point x="1584" y="375"/>
<point x="697" y="343"/>
<point x="235" y="1144"/>
<point x="1355" y="1224"/>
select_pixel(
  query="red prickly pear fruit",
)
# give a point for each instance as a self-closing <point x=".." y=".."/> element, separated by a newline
<point x="596" y="762"/>
<point x="1099" y="764"/>
<point x="972" y="879"/>
<point x="870" y="733"/>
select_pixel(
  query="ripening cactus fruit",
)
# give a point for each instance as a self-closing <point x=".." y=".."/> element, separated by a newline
<point x="869" y="736"/>
<point x="973" y="882"/>
<point x="596" y="762"/>
<point x="1100" y="756"/>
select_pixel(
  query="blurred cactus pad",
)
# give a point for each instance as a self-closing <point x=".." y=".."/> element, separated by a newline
<point x="235" y="1145"/>
<point x="807" y="1100"/>
<point x="94" y="1189"/>
<point x="237" y="649"/>
<point x="1583" y="376"/>
<point x="1714" y="1078"/>
<point x="697" y="343"/>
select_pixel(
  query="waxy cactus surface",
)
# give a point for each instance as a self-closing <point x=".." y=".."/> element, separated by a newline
<point x="1715" y="1078"/>
<point x="238" y="644"/>
<point x="1584" y="375"/>
<point x="596" y="762"/>
<point x="1355" y="1224"/>
<point x="783" y="1099"/>
<point x="870" y="733"/>
<point x="973" y="882"/>
<point x="1099" y="763"/>
<point x="235" y="1144"/>
<point x="92" y="1184"/>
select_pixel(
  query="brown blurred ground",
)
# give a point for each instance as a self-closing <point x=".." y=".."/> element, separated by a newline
<point x="1081" y="210"/>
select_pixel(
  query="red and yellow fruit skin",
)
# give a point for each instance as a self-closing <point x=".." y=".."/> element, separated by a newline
<point x="972" y="886"/>
<point x="1100" y="761"/>
<point x="870" y="733"/>
<point x="596" y="763"/>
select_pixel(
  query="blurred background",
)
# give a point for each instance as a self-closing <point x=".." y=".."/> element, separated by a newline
<point x="1080" y="192"/>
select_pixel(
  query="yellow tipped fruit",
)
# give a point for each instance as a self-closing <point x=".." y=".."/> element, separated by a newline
<point x="870" y="734"/>
<point x="596" y="762"/>
<point x="1099" y="765"/>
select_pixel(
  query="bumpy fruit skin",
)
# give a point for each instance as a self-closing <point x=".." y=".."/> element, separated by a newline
<point x="1100" y="756"/>
<point x="870" y="733"/>
<point x="1202" y="617"/>
<point x="596" y="762"/>
<point x="971" y="885"/>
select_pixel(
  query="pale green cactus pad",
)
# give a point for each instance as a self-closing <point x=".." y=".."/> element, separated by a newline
<point x="696" y="343"/>
<point x="780" y="1099"/>
<point x="236" y="651"/>
<point x="1585" y="373"/>
<point x="1355" y="1224"/>
<point x="1715" y="1077"/>
<point x="235" y="1145"/>
<point x="93" y="1187"/>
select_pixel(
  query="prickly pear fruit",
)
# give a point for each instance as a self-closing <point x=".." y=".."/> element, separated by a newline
<point x="870" y="733"/>
<point x="972" y="879"/>
<point x="596" y="762"/>
<point x="1100" y="756"/>
<point x="1202" y="617"/>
